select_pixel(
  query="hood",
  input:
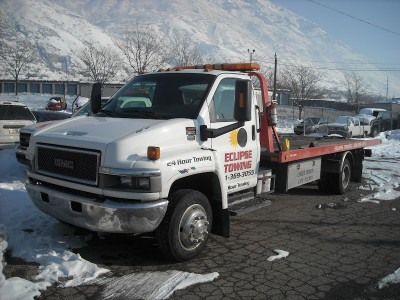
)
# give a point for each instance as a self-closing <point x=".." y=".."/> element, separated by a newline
<point x="338" y="125"/>
<point x="90" y="132"/>
<point x="122" y="142"/>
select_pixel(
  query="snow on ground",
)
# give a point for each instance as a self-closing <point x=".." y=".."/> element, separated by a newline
<point x="280" y="254"/>
<point x="39" y="101"/>
<point x="36" y="237"/>
<point x="382" y="170"/>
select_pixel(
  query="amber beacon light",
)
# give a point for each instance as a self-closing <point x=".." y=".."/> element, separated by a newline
<point x="153" y="152"/>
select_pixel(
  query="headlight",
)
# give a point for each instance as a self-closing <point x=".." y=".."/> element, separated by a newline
<point x="135" y="183"/>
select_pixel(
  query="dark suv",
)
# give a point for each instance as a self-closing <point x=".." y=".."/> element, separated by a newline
<point x="383" y="120"/>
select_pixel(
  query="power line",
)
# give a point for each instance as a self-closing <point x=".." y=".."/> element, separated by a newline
<point x="355" y="18"/>
<point x="339" y="68"/>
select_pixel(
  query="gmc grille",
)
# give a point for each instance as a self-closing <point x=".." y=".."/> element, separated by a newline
<point x="71" y="164"/>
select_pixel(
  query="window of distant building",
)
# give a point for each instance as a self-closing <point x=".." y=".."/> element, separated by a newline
<point x="47" y="88"/>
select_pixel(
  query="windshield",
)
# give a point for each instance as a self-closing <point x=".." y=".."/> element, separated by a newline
<point x="344" y="120"/>
<point x="311" y="121"/>
<point x="162" y="96"/>
<point x="15" y="112"/>
<point x="84" y="110"/>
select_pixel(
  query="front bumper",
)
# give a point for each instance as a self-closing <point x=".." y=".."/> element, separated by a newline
<point x="342" y="132"/>
<point x="101" y="215"/>
<point x="300" y="130"/>
<point x="20" y="155"/>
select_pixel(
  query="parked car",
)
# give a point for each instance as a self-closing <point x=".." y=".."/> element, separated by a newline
<point x="382" y="120"/>
<point x="56" y="103"/>
<point x="27" y="131"/>
<point x="368" y="121"/>
<point x="371" y="111"/>
<point x="348" y="127"/>
<point x="312" y="125"/>
<point x="46" y="115"/>
<point x="13" y="116"/>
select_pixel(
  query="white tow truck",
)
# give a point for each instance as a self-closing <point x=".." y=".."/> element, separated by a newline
<point x="177" y="152"/>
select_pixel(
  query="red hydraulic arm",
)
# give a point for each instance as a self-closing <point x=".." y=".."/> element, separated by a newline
<point x="268" y="130"/>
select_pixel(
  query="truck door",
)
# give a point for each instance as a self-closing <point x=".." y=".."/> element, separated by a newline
<point x="358" y="130"/>
<point x="237" y="152"/>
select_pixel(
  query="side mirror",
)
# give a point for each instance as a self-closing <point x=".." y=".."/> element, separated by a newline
<point x="242" y="108"/>
<point x="95" y="98"/>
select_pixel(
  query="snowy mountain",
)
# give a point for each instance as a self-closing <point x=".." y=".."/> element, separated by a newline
<point x="223" y="30"/>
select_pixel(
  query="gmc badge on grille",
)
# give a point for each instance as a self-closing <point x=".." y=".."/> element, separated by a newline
<point x="62" y="163"/>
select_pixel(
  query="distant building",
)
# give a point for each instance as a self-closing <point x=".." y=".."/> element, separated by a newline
<point x="40" y="87"/>
<point x="282" y="96"/>
<point x="73" y="88"/>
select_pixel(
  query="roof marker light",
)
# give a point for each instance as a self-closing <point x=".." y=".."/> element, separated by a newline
<point x="223" y="67"/>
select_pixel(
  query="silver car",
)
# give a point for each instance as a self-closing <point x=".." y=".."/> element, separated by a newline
<point x="13" y="116"/>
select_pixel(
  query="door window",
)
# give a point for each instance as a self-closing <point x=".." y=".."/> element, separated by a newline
<point x="223" y="101"/>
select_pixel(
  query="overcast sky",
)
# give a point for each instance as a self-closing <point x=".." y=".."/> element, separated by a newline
<point x="345" y="20"/>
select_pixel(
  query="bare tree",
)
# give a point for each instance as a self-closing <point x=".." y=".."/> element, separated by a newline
<point x="184" y="53"/>
<point x="15" y="58"/>
<point x="143" y="48"/>
<point x="356" y="88"/>
<point x="269" y="76"/>
<point x="101" y="64"/>
<point x="16" y="52"/>
<point x="302" y="83"/>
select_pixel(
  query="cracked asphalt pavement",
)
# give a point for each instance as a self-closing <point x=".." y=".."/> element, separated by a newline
<point x="338" y="249"/>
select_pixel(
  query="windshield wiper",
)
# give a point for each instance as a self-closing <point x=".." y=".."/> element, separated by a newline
<point x="108" y="112"/>
<point x="146" y="114"/>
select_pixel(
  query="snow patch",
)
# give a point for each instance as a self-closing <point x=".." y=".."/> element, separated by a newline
<point x="280" y="254"/>
<point x="390" y="279"/>
<point x="150" y="285"/>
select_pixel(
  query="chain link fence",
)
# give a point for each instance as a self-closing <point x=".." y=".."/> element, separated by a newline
<point x="327" y="115"/>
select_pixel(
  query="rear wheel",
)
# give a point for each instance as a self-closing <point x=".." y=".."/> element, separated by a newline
<point x="336" y="183"/>
<point x="184" y="231"/>
<point x="342" y="179"/>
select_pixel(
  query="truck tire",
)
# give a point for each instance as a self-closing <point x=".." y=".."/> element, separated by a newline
<point x="374" y="132"/>
<point x="341" y="180"/>
<point x="323" y="183"/>
<point x="184" y="231"/>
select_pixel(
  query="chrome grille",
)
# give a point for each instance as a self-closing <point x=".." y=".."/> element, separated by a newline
<point x="66" y="163"/>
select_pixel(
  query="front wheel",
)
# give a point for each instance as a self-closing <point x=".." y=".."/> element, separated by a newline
<point x="375" y="132"/>
<point x="184" y="231"/>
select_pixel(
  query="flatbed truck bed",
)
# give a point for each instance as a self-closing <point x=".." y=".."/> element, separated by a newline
<point x="303" y="147"/>
<point x="302" y="159"/>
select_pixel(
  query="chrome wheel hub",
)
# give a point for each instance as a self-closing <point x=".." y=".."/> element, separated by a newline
<point x="193" y="227"/>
